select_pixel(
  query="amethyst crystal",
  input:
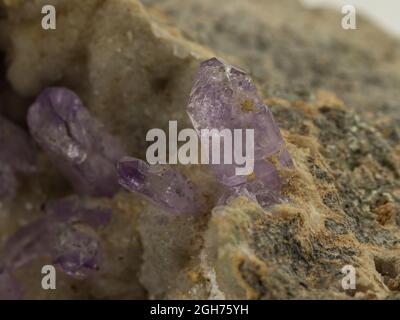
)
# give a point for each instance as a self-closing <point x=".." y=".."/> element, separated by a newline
<point x="66" y="235"/>
<point x="224" y="97"/>
<point x="161" y="184"/>
<point x="75" y="141"/>
<point x="17" y="154"/>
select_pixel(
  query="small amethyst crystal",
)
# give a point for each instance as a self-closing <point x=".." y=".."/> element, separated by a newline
<point x="66" y="234"/>
<point x="161" y="184"/>
<point x="224" y="97"/>
<point x="17" y="154"/>
<point x="76" y="142"/>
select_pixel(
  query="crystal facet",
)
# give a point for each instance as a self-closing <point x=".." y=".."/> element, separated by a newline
<point x="66" y="234"/>
<point x="161" y="184"/>
<point x="224" y="97"/>
<point x="76" y="142"/>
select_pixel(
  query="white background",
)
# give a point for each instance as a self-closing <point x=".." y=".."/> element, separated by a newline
<point x="386" y="13"/>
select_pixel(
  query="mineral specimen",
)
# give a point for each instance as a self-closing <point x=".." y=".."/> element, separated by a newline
<point x="224" y="97"/>
<point x="17" y="154"/>
<point x="66" y="235"/>
<point x="75" y="141"/>
<point x="161" y="184"/>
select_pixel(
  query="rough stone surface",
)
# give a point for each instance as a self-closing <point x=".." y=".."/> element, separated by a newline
<point x="133" y="69"/>
<point x="225" y="98"/>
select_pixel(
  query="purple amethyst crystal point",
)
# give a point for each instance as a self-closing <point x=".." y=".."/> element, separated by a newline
<point x="76" y="142"/>
<point x="161" y="184"/>
<point x="66" y="234"/>
<point x="224" y="97"/>
<point x="17" y="154"/>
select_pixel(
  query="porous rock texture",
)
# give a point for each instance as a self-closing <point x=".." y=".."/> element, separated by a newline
<point x="334" y="94"/>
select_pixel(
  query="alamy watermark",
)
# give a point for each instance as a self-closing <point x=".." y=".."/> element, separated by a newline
<point x="349" y="280"/>
<point x="49" y="21"/>
<point x="349" y="21"/>
<point x="226" y="143"/>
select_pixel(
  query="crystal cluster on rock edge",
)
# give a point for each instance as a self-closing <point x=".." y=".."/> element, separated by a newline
<point x="79" y="146"/>
<point x="75" y="142"/>
<point x="17" y="154"/>
<point x="161" y="184"/>
<point x="66" y="234"/>
<point x="224" y="97"/>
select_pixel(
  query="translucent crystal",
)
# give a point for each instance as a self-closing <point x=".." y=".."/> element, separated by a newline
<point x="161" y="184"/>
<point x="76" y="142"/>
<point x="224" y="97"/>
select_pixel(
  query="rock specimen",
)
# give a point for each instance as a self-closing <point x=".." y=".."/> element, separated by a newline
<point x="75" y="141"/>
<point x="224" y="97"/>
<point x="134" y="71"/>
<point x="161" y="184"/>
<point x="17" y="154"/>
<point x="65" y="234"/>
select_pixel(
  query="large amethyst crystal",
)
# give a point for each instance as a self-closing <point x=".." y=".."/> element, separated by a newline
<point x="161" y="184"/>
<point x="76" y="142"/>
<point x="224" y="97"/>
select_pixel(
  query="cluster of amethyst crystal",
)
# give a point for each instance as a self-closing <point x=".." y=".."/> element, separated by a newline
<point x="86" y="155"/>
<point x="76" y="142"/>
<point x="17" y="154"/>
<point x="224" y="97"/>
